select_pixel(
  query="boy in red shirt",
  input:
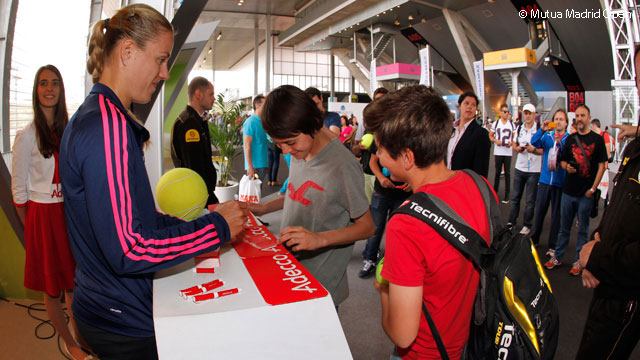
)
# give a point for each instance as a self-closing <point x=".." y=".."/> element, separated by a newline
<point x="412" y="128"/>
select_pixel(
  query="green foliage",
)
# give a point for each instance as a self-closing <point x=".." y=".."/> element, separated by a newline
<point x="227" y="137"/>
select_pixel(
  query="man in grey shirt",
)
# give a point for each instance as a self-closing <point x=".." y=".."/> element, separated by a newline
<point x="325" y="207"/>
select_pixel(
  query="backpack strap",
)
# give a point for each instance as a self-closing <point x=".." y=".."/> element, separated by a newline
<point x="435" y="333"/>
<point x="448" y="224"/>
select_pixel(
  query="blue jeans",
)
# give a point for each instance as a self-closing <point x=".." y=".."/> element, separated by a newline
<point x="262" y="173"/>
<point x="569" y="207"/>
<point x="547" y="194"/>
<point x="520" y="180"/>
<point x="274" y="164"/>
<point x="381" y="208"/>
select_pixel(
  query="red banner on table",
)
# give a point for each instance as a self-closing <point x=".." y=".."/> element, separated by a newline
<point x="281" y="279"/>
<point x="255" y="240"/>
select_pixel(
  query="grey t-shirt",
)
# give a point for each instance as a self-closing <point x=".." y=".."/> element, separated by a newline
<point x="324" y="194"/>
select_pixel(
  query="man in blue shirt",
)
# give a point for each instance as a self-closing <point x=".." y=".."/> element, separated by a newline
<point x="255" y="142"/>
<point x="331" y="119"/>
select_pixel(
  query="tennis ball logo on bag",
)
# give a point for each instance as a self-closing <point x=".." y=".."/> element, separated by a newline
<point x="379" y="277"/>
<point x="182" y="193"/>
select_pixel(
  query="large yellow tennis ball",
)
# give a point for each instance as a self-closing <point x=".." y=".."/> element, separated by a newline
<point x="366" y="141"/>
<point x="181" y="192"/>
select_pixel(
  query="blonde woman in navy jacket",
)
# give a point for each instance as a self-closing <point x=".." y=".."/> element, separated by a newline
<point x="35" y="186"/>
<point x="118" y="237"/>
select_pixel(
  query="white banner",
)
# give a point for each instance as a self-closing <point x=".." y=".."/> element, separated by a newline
<point x="425" y="67"/>
<point x="478" y="69"/>
<point x="373" y="83"/>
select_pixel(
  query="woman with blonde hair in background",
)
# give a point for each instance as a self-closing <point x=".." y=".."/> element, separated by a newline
<point x="117" y="235"/>
<point x="35" y="185"/>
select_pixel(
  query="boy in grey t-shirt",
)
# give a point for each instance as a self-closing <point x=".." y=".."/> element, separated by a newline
<point x="325" y="207"/>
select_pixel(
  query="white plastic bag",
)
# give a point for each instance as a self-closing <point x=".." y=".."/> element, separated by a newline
<point x="249" y="190"/>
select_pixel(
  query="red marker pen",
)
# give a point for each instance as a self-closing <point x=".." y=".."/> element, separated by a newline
<point x="212" y="285"/>
<point x="215" y="295"/>
<point x="190" y="290"/>
<point x="204" y="270"/>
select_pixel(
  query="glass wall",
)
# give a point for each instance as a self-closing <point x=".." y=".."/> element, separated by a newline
<point x="305" y="69"/>
<point x="44" y="35"/>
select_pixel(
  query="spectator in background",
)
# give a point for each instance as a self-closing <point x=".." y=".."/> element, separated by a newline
<point x="273" y="154"/>
<point x="190" y="139"/>
<point x="345" y="128"/>
<point x="331" y="119"/>
<point x="527" y="174"/>
<point x="501" y="134"/>
<point x="595" y="127"/>
<point x="36" y="189"/>
<point x="469" y="147"/>
<point x="254" y="140"/>
<point x="551" y="140"/>
<point x="585" y="160"/>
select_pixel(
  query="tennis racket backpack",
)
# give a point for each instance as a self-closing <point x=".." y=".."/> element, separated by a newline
<point x="515" y="315"/>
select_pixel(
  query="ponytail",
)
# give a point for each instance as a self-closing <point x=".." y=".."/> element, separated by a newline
<point x="138" y="22"/>
<point x="95" y="64"/>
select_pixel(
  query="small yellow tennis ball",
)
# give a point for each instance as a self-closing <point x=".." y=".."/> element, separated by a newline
<point x="379" y="277"/>
<point x="181" y="192"/>
<point x="367" y="140"/>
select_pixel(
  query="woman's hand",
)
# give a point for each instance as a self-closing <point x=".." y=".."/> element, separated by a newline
<point x="235" y="214"/>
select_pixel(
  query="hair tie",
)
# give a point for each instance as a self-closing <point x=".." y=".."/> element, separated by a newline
<point x="106" y="23"/>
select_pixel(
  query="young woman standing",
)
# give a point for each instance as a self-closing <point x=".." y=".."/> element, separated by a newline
<point x="35" y="184"/>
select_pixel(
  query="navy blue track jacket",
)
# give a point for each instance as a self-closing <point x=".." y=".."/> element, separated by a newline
<point x="117" y="236"/>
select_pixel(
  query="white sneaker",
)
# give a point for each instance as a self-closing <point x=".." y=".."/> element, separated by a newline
<point x="551" y="253"/>
<point x="525" y="230"/>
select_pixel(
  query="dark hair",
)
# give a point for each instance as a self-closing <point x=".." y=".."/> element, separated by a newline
<point x="346" y="119"/>
<point x="197" y="83"/>
<point x="504" y="106"/>
<point x="311" y="92"/>
<point x="466" y="95"/>
<point x="584" y="106"/>
<point x="414" y="118"/>
<point x="288" y="112"/>
<point x="138" y="22"/>
<point x="596" y="122"/>
<point x="380" y="90"/>
<point x="257" y="100"/>
<point x="47" y="143"/>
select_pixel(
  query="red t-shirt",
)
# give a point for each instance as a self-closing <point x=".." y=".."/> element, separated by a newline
<point x="417" y="256"/>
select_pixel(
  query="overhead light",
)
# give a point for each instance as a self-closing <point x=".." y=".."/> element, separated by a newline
<point x="410" y="18"/>
<point x="384" y="12"/>
<point x="219" y="35"/>
<point x="423" y="20"/>
<point x="397" y="23"/>
<point x="357" y="23"/>
<point x="377" y="15"/>
<point x="210" y="50"/>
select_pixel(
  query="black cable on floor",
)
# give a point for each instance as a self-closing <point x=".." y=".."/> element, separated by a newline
<point x="39" y="307"/>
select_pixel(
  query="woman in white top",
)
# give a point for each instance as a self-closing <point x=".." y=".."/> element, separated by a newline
<point x="37" y="195"/>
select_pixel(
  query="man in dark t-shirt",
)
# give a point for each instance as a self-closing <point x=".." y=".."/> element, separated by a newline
<point x="585" y="160"/>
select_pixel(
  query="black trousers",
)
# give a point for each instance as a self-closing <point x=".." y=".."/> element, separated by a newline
<point x="110" y="346"/>
<point x="612" y="329"/>
<point x="499" y="161"/>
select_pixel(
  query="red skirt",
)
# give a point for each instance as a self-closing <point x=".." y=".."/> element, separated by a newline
<point x="49" y="265"/>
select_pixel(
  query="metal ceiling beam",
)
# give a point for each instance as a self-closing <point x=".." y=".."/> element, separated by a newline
<point x="454" y="21"/>
<point x="248" y="13"/>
